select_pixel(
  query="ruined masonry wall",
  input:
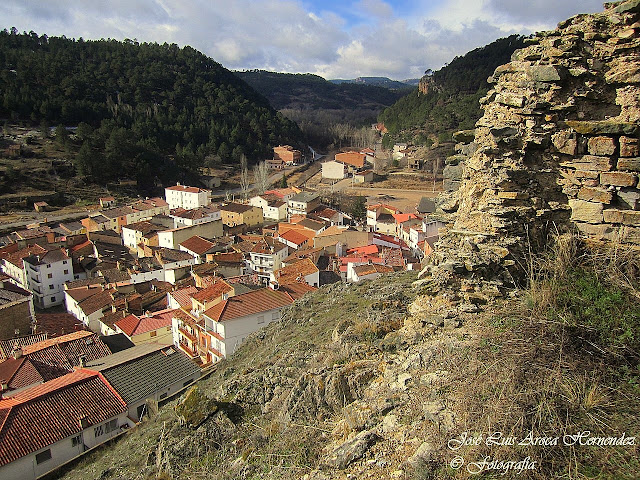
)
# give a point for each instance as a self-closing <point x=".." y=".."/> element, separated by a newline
<point x="557" y="145"/>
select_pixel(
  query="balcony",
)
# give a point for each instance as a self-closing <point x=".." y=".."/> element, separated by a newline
<point x="185" y="333"/>
<point x="184" y="347"/>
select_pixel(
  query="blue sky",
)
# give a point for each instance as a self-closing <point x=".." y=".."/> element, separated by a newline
<point x="333" y="38"/>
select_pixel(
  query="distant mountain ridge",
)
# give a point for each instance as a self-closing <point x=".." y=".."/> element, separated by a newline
<point x="380" y="82"/>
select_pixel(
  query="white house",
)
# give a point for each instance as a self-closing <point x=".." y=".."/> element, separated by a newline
<point x="133" y="234"/>
<point x="182" y="196"/>
<point x="87" y="412"/>
<point x="46" y="274"/>
<point x="367" y="271"/>
<point x="334" y="170"/>
<point x="266" y="256"/>
<point x="233" y="319"/>
<point x="273" y="208"/>
<point x="174" y="237"/>
<point x="302" y="203"/>
<point x="195" y="216"/>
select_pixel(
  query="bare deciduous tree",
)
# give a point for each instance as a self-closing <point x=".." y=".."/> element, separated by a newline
<point x="261" y="177"/>
<point x="244" y="177"/>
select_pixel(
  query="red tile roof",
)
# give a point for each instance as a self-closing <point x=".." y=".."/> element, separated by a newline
<point x="296" y="272"/>
<point x="250" y="303"/>
<point x="351" y="158"/>
<point x="214" y="291"/>
<point x="365" y="250"/>
<point x="16" y="258"/>
<point x="184" y="188"/>
<point x="45" y="414"/>
<point x="403" y="217"/>
<point x="132" y="325"/>
<point x="183" y="296"/>
<point x="65" y="351"/>
<point x="297" y="290"/>
<point x="362" y="270"/>
<point x="198" y="245"/>
<point x="295" y="237"/>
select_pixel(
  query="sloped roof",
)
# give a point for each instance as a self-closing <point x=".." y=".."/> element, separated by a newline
<point x="7" y="346"/>
<point x="365" y="250"/>
<point x="297" y="290"/>
<point x="17" y="258"/>
<point x="311" y="224"/>
<point x="139" y="372"/>
<point x="183" y="296"/>
<point x="133" y="325"/>
<point x="355" y="159"/>
<point x="198" y="245"/>
<point x="250" y="303"/>
<point x="296" y="237"/>
<point x="184" y="188"/>
<point x="65" y="351"/>
<point x="295" y="272"/>
<point x="45" y="414"/>
<point x="214" y="291"/>
<point x="228" y="258"/>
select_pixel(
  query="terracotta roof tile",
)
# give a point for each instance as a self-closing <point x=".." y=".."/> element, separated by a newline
<point x="296" y="237"/>
<point x="198" y="245"/>
<point x="250" y="303"/>
<point x="133" y="325"/>
<point x="295" y="272"/>
<point x="183" y="296"/>
<point x="45" y="414"/>
<point x="184" y="188"/>
<point x="214" y="291"/>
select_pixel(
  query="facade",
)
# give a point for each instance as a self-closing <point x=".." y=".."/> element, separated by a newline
<point x="365" y="176"/>
<point x="266" y="256"/>
<point x="134" y="234"/>
<point x="174" y="237"/>
<point x="16" y="311"/>
<point x="46" y="275"/>
<point x="185" y="218"/>
<point x="287" y="154"/>
<point x="88" y="412"/>
<point x="302" y="203"/>
<point x="231" y="321"/>
<point x="334" y="170"/>
<point x="234" y="214"/>
<point x="182" y="196"/>
<point x="273" y="208"/>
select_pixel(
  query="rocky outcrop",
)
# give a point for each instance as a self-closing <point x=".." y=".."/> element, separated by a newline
<point x="557" y="146"/>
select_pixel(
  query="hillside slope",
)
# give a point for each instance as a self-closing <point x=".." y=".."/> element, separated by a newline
<point x="374" y="380"/>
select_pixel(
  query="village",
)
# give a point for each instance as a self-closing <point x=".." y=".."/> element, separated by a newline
<point x="107" y="317"/>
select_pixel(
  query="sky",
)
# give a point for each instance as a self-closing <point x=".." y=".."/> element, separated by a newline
<point x="398" y="39"/>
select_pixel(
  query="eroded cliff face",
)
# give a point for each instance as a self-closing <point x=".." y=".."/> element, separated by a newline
<point x="557" y="147"/>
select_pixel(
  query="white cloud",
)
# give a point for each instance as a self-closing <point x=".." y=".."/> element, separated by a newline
<point x="285" y="35"/>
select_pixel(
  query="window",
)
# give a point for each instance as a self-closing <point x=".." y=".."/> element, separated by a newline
<point x="98" y="431"/>
<point x="53" y="299"/>
<point x="48" y="265"/>
<point x="51" y="287"/>
<point x="163" y="396"/>
<point x="49" y="275"/>
<point x="260" y="318"/>
<point x="43" y="456"/>
<point x="66" y="271"/>
<point x="275" y="316"/>
<point x="153" y="333"/>
<point x="111" y="425"/>
<point x="75" y="441"/>
<point x="64" y="262"/>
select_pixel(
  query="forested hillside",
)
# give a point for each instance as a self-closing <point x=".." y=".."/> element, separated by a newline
<point x="449" y="97"/>
<point x="138" y="107"/>
<point x="317" y="105"/>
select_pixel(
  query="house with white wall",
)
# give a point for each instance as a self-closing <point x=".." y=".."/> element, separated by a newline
<point x="182" y="196"/>
<point x="266" y="256"/>
<point x="185" y="218"/>
<point x="233" y="319"/>
<point x="88" y="412"/>
<point x="46" y="274"/>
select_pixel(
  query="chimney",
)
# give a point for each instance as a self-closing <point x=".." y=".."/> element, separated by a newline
<point x="82" y="359"/>
<point x="17" y="352"/>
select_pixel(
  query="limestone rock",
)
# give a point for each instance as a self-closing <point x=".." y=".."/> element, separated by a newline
<point x="344" y="454"/>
